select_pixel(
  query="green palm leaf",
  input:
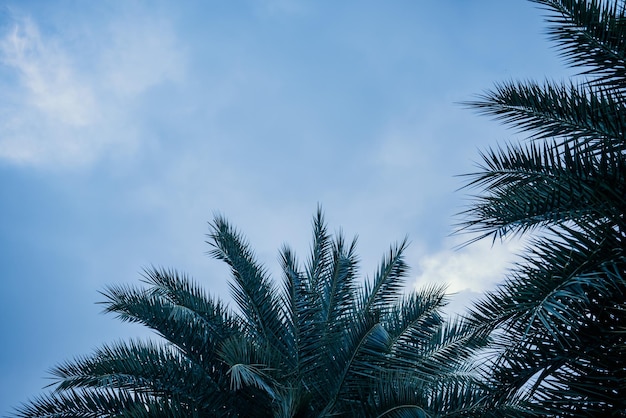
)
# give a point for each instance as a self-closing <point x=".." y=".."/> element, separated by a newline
<point x="101" y="403"/>
<point x="143" y="367"/>
<point x="590" y="34"/>
<point x="582" y="115"/>
<point x="523" y="188"/>
<point x="251" y="288"/>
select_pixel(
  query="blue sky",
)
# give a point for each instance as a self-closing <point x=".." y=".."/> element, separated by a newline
<point x="125" y="125"/>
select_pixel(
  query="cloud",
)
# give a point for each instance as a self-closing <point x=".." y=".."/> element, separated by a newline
<point x="49" y="96"/>
<point x="47" y="76"/>
<point x="475" y="268"/>
<point x="64" y="107"/>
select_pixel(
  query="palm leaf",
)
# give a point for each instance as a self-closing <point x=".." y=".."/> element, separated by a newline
<point x="195" y="335"/>
<point x="251" y="288"/>
<point x="577" y="114"/>
<point x="523" y="188"/>
<point x="100" y="403"/>
<point x="590" y="34"/>
<point x="388" y="283"/>
<point x="141" y="367"/>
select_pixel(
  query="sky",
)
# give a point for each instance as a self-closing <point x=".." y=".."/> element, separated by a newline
<point x="125" y="126"/>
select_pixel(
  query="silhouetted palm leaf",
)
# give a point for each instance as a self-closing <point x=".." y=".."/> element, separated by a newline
<point x="557" y="321"/>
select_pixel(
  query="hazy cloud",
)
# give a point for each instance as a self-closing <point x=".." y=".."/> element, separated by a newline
<point x="45" y="71"/>
<point x="66" y="109"/>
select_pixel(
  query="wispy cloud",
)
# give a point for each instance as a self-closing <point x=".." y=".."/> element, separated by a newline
<point x="64" y="109"/>
<point x="46" y="73"/>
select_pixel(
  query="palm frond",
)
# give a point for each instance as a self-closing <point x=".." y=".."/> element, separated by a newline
<point x="320" y="251"/>
<point x="591" y="34"/>
<point x="559" y="274"/>
<point x="576" y="114"/>
<point x="337" y="285"/>
<point x="180" y="290"/>
<point x="523" y="188"/>
<point x="101" y="403"/>
<point x="447" y="354"/>
<point x="362" y="356"/>
<point x="564" y="299"/>
<point x="387" y="284"/>
<point x="336" y="316"/>
<point x="145" y="367"/>
<point x="249" y="365"/>
<point x="298" y="313"/>
<point x="195" y="335"/>
<point x="415" y="318"/>
<point x="251" y="288"/>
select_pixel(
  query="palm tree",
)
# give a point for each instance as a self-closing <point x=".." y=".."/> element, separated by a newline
<point x="324" y="344"/>
<point x="559" y="318"/>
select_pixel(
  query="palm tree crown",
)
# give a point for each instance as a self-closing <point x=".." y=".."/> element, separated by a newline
<point x="323" y="344"/>
<point x="559" y="318"/>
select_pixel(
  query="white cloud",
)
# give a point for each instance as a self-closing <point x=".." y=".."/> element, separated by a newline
<point x="62" y="107"/>
<point x="476" y="267"/>
<point x="46" y="73"/>
<point x="48" y="105"/>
